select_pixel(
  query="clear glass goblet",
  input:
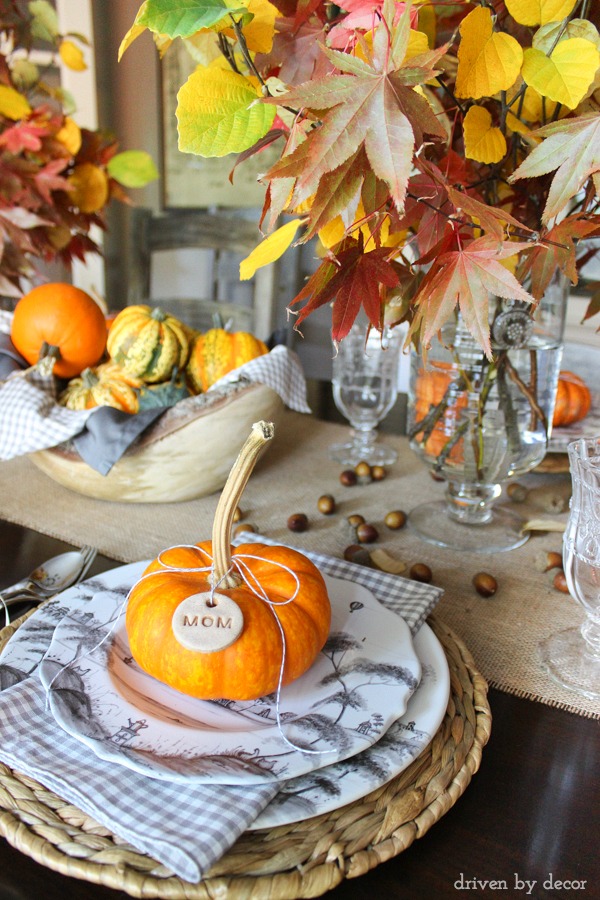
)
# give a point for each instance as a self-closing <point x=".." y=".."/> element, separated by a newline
<point x="572" y="657"/>
<point x="365" y="387"/>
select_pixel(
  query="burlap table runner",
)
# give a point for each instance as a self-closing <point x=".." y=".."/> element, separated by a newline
<point x="502" y="633"/>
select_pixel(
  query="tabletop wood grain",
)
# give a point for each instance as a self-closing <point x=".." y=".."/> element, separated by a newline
<point x="527" y="825"/>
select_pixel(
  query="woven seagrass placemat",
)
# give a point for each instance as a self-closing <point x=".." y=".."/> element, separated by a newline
<point x="305" y="859"/>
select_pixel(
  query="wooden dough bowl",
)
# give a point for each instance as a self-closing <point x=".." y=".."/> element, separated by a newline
<point x="187" y="454"/>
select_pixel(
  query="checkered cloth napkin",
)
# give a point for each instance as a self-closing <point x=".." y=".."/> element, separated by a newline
<point x="31" y="419"/>
<point x="186" y="830"/>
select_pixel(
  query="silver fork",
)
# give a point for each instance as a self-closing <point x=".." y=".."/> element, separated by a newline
<point x="50" y="580"/>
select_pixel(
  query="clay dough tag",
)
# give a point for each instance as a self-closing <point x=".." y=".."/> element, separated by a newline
<point x="198" y="625"/>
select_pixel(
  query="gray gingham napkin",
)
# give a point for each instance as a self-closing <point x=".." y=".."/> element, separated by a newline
<point x="31" y="419"/>
<point x="186" y="830"/>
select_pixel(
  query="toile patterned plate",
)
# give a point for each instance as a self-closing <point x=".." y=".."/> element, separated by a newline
<point x="345" y="782"/>
<point x="358" y="686"/>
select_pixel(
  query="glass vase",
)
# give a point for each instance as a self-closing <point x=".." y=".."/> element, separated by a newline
<point x="478" y="422"/>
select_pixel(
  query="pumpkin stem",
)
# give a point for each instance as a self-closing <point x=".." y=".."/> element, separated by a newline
<point x="158" y="314"/>
<point x="261" y="434"/>
<point x="48" y="357"/>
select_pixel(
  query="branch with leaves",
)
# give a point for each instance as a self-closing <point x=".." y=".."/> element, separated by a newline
<point x="56" y="178"/>
<point x="455" y="141"/>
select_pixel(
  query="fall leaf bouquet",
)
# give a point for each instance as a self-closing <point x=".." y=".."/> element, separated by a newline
<point x="56" y="178"/>
<point x="440" y="153"/>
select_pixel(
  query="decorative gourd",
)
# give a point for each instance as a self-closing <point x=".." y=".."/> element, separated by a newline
<point x="250" y="666"/>
<point x="106" y="385"/>
<point x="217" y="352"/>
<point x="573" y="400"/>
<point x="166" y="393"/>
<point x="431" y="386"/>
<point x="148" y="343"/>
<point x="61" y="322"/>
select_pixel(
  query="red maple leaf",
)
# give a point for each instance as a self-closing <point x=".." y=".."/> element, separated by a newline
<point x="351" y="281"/>
<point x="467" y="278"/>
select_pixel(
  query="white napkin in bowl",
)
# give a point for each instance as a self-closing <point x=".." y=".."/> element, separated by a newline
<point x="186" y="830"/>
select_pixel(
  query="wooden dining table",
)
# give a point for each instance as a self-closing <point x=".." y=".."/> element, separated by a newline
<point x="527" y="825"/>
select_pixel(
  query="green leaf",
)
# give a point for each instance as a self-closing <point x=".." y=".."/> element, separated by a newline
<point x="219" y="112"/>
<point x="132" y="168"/>
<point x="44" y="25"/>
<point x="183" y="18"/>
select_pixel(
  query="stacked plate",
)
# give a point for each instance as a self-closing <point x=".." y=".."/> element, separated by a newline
<point x="368" y="706"/>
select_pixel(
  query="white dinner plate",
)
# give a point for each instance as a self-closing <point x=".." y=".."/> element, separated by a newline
<point x="356" y="688"/>
<point x="344" y="782"/>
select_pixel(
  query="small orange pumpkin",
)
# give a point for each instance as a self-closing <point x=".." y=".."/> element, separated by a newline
<point x="217" y="352"/>
<point x="61" y="321"/>
<point x="250" y="666"/>
<point x="573" y="400"/>
<point x="106" y="385"/>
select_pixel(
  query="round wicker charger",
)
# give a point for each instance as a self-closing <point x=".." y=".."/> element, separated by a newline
<point x="305" y="859"/>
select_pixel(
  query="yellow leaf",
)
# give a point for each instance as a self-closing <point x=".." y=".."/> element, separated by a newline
<point x="566" y="74"/>
<point x="483" y="142"/>
<point x="417" y="44"/>
<point x="72" y="56"/>
<point x="260" y="31"/>
<point x="218" y="112"/>
<point x="428" y="22"/>
<point x="13" y="105"/>
<point x="488" y="61"/>
<point x="70" y="136"/>
<point x="133" y="33"/>
<point x="539" y="12"/>
<point x="89" y="187"/>
<point x="269" y="250"/>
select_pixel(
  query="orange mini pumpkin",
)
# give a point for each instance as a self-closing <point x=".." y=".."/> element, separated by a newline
<point x="250" y="666"/>
<point x="573" y="400"/>
<point x="218" y="352"/>
<point x="61" y="321"/>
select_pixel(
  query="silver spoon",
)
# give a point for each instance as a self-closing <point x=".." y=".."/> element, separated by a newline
<point x="52" y="576"/>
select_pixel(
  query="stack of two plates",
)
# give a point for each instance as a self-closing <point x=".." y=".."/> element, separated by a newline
<point x="368" y="706"/>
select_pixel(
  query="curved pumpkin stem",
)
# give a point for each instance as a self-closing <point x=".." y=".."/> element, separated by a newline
<point x="261" y="434"/>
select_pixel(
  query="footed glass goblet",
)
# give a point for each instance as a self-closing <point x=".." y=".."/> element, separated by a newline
<point x="365" y="387"/>
<point x="572" y="657"/>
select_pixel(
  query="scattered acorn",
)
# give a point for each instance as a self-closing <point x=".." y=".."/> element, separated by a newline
<point x="245" y="526"/>
<point x="366" y="533"/>
<point x="378" y="473"/>
<point x="326" y="504"/>
<point x="356" y="519"/>
<point x="348" y="478"/>
<point x="560" y="582"/>
<point x="548" y="559"/>
<point x="396" y="519"/>
<point x="298" y="522"/>
<point x="237" y="514"/>
<point x="517" y="492"/>
<point x="357" y="554"/>
<point x="485" y="584"/>
<point x="363" y="472"/>
<point x="421" y="572"/>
